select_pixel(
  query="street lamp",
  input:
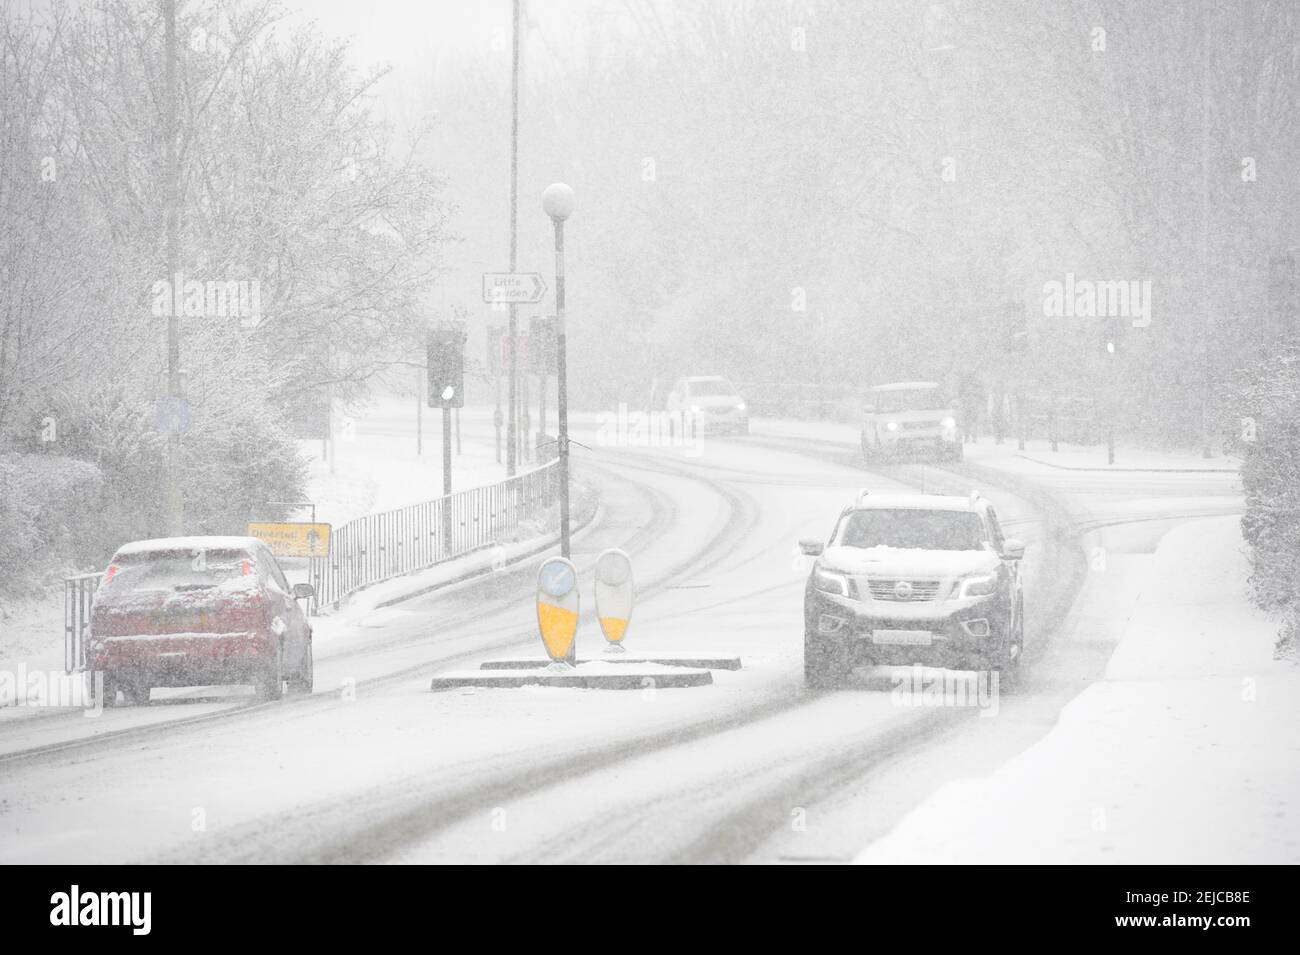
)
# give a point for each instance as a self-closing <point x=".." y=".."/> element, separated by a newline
<point x="557" y="200"/>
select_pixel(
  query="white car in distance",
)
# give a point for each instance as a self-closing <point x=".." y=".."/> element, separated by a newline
<point x="708" y="404"/>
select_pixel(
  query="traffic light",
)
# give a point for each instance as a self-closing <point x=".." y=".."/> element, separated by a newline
<point x="541" y="345"/>
<point x="445" y="361"/>
<point x="1111" y="336"/>
<point x="1013" y="327"/>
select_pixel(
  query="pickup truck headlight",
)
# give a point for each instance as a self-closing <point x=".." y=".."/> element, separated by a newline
<point x="981" y="585"/>
<point x="829" y="582"/>
<point x="948" y="423"/>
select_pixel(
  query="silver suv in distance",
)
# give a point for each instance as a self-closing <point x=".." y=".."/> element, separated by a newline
<point x="910" y="417"/>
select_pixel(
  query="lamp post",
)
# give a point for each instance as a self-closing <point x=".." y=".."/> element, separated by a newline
<point x="512" y="427"/>
<point x="557" y="200"/>
<point x="175" y="508"/>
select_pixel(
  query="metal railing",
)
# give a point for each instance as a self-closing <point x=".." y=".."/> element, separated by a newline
<point x="378" y="547"/>
<point x="78" y="594"/>
<point x="1057" y="418"/>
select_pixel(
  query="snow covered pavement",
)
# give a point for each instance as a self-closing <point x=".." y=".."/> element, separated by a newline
<point x="1186" y="752"/>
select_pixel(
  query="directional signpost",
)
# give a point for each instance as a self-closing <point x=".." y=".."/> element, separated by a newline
<point x="513" y="288"/>
<point x="501" y="289"/>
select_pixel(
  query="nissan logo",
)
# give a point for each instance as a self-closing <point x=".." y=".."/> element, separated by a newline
<point x="903" y="589"/>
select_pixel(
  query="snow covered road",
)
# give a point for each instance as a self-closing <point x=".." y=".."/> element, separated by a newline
<point x="373" y="767"/>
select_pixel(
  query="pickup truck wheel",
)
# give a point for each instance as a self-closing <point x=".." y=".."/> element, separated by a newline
<point x="825" y="663"/>
<point x="1006" y="659"/>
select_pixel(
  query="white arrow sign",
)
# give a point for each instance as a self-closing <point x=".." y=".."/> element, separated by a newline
<point x="513" y="288"/>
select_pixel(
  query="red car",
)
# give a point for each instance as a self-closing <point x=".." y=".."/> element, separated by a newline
<point x="196" y="611"/>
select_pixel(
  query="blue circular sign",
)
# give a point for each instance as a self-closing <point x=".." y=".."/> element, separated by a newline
<point x="172" y="415"/>
<point x="556" y="578"/>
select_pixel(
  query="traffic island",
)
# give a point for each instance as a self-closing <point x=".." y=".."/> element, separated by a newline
<point x="592" y="675"/>
<point x="705" y="661"/>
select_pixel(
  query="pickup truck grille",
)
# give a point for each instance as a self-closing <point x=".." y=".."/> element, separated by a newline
<point x="887" y="589"/>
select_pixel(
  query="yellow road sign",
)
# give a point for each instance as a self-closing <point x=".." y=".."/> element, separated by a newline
<point x="614" y="591"/>
<point x="290" y="539"/>
<point x="557" y="607"/>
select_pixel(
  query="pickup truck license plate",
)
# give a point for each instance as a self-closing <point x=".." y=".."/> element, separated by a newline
<point x="907" y="638"/>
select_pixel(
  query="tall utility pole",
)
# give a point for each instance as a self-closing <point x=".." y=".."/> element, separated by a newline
<point x="446" y="449"/>
<point x="171" y="198"/>
<point x="557" y="201"/>
<point x="512" y="451"/>
<point x="1207" y="384"/>
<point x="420" y="384"/>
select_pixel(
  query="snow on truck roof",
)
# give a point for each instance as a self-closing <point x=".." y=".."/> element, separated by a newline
<point x="919" y="502"/>
<point x="165" y="544"/>
<point x="905" y="386"/>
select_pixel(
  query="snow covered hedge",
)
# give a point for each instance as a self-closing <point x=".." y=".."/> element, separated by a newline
<point x="1270" y="475"/>
<point x="43" y="502"/>
<point x="1271" y="525"/>
<point x="101" y="482"/>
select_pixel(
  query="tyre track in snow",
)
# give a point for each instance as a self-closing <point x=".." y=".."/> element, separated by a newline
<point x="396" y="815"/>
<point x="739" y="811"/>
<point x="424" y="816"/>
<point x="732" y="829"/>
<point x="517" y="583"/>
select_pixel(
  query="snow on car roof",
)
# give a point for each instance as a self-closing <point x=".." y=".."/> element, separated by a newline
<point x="160" y="544"/>
<point x="905" y="386"/>
<point x="919" y="502"/>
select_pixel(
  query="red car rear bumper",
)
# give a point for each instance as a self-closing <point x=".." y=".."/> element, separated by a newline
<point x="183" y="659"/>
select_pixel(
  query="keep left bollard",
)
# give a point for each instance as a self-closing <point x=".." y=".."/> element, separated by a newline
<point x="614" y="594"/>
<point x="557" y="621"/>
<point x="557" y="610"/>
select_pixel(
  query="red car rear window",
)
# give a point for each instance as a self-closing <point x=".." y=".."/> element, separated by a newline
<point x="173" y="571"/>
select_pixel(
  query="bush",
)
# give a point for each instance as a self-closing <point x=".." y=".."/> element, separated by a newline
<point x="231" y="472"/>
<point x="1270" y="475"/>
<point x="102" y="481"/>
<point x="45" y="501"/>
<point x="1288" y="638"/>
